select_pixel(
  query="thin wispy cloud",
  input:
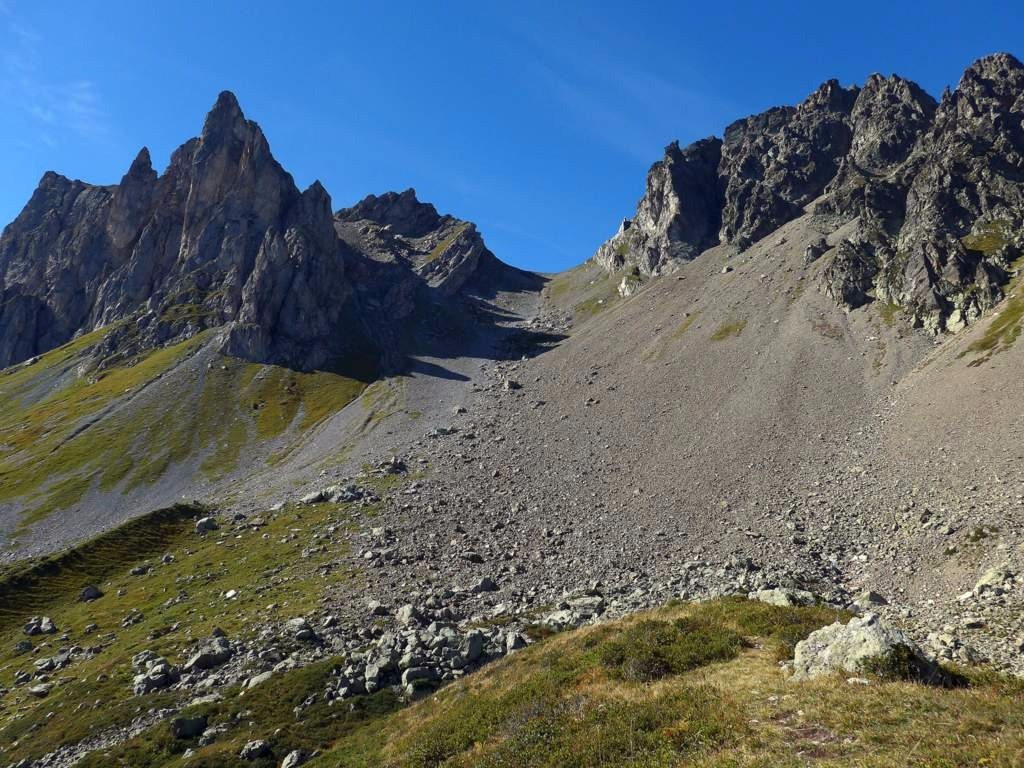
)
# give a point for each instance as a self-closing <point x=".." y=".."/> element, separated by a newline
<point x="56" y="107"/>
<point x="628" y="107"/>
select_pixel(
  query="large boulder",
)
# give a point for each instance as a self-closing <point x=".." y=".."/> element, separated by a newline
<point x="210" y="653"/>
<point x="40" y="625"/>
<point x="188" y="727"/>
<point x="864" y="645"/>
<point x="90" y="593"/>
<point x="783" y="597"/>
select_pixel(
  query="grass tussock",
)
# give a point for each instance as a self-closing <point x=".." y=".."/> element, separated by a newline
<point x="650" y="650"/>
<point x="729" y="330"/>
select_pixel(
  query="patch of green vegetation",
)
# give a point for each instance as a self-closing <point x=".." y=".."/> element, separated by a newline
<point x="565" y="703"/>
<point x="988" y="238"/>
<point x="542" y="713"/>
<point x="684" y="326"/>
<point x="662" y="344"/>
<point x="600" y="296"/>
<point x="62" y="434"/>
<point x="279" y="395"/>
<point x="279" y="567"/>
<point x="35" y="586"/>
<point x="900" y="664"/>
<point x="780" y="628"/>
<point x="622" y="248"/>
<point x="269" y="716"/>
<point x="440" y="249"/>
<point x="729" y="330"/>
<point x="557" y="705"/>
<point x="903" y="664"/>
<point x="590" y="307"/>
<point x="183" y="313"/>
<point x="57" y="448"/>
<point x="1001" y="333"/>
<point x="652" y="649"/>
<point x="565" y="282"/>
<point x="387" y="482"/>
<point x="588" y="288"/>
<point x="889" y="312"/>
<point x="382" y="400"/>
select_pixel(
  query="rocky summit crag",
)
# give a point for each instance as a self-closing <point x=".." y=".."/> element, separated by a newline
<point x="933" y="192"/>
<point x="223" y="238"/>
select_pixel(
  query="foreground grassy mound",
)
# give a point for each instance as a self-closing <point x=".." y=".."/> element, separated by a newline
<point x="238" y="578"/>
<point x="66" y="430"/>
<point x="684" y="685"/>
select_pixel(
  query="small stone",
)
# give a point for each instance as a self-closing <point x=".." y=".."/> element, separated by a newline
<point x="407" y="615"/>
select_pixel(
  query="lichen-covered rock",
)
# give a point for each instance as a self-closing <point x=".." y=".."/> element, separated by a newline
<point x="783" y="597"/>
<point x="862" y="645"/>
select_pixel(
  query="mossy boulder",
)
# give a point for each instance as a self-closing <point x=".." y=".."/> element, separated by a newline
<point x="865" y="645"/>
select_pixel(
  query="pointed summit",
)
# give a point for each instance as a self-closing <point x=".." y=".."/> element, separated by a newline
<point x="224" y="116"/>
<point x="141" y="168"/>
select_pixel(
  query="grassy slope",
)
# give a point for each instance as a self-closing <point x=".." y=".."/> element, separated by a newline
<point x="586" y="290"/>
<point x="684" y="685"/>
<point x="280" y="564"/>
<point x="63" y="434"/>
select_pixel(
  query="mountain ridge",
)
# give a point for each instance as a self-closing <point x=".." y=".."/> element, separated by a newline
<point x="926" y="181"/>
<point x="223" y="230"/>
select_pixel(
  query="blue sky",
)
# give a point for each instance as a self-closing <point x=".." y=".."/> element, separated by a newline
<point x="536" y="120"/>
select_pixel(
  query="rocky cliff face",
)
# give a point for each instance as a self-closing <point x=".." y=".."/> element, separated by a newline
<point x="678" y="217"/>
<point x="223" y="238"/>
<point x="936" y="191"/>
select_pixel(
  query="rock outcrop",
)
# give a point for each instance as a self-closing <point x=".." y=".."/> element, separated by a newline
<point x="678" y="216"/>
<point x="935" y="191"/>
<point x="863" y="645"/>
<point x="223" y="238"/>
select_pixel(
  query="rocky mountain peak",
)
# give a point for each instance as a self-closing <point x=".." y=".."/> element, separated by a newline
<point x="991" y="86"/>
<point x="919" y="179"/>
<point x="224" y="118"/>
<point x="401" y="211"/>
<point x="225" y="233"/>
<point x="888" y="117"/>
<point x="141" y="167"/>
<point x="830" y="96"/>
